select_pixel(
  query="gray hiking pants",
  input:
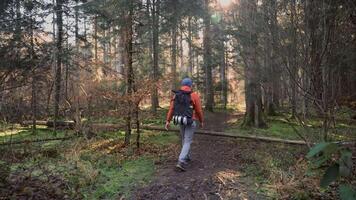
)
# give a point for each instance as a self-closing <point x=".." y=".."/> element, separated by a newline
<point x="187" y="133"/>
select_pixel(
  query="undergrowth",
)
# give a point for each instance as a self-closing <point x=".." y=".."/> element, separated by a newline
<point x="100" y="168"/>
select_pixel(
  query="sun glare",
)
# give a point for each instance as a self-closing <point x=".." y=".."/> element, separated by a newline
<point x="225" y="3"/>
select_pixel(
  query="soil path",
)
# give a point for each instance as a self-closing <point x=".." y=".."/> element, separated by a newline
<point x="214" y="172"/>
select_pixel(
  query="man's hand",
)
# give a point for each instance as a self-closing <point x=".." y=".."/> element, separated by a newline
<point x="167" y="125"/>
<point x="201" y="125"/>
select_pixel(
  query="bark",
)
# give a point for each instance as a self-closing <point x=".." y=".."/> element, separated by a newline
<point x="127" y="39"/>
<point x="54" y="57"/>
<point x="174" y="50"/>
<point x="209" y="93"/>
<point x="66" y="71"/>
<point x="181" y="55"/>
<point x="34" y="87"/>
<point x="96" y="38"/>
<point x="105" y="49"/>
<point x="253" y="115"/>
<point x="274" y="78"/>
<point x="223" y="72"/>
<point x="294" y="70"/>
<point x="155" y="74"/>
<point x="18" y="31"/>
<point x="77" y="113"/>
<point x="190" y="49"/>
<point x="34" y="101"/>
<point x="137" y="116"/>
<point x="226" y="81"/>
<point x="58" y="69"/>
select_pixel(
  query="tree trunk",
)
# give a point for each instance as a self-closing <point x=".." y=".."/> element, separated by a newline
<point x="275" y="76"/>
<point x="66" y="70"/>
<point x="155" y="74"/>
<point x="137" y="114"/>
<point x="128" y="38"/>
<point x="96" y="38"/>
<point x="181" y="55"/>
<point x="190" y="50"/>
<point x="174" y="58"/>
<point x="58" y="69"/>
<point x="34" y="85"/>
<point x="209" y="93"/>
<point x="294" y="70"/>
<point x="253" y="115"/>
<point x="226" y="81"/>
<point x="223" y="80"/>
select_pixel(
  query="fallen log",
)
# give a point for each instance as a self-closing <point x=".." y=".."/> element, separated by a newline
<point x="231" y="135"/>
<point x="113" y="127"/>
<point x="71" y="125"/>
<point x="35" y="141"/>
<point x="96" y="127"/>
<point x="59" y="124"/>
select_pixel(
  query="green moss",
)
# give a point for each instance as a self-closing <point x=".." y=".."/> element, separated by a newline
<point x="275" y="129"/>
<point x="282" y="127"/>
<point x="89" y="173"/>
<point x="162" y="138"/>
<point x="112" y="135"/>
<point x="115" y="181"/>
<point x="109" y="120"/>
<point x="21" y="134"/>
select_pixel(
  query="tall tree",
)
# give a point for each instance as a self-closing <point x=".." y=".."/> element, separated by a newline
<point x="174" y="34"/>
<point x="155" y="39"/>
<point x="293" y="61"/>
<point x="59" y="54"/>
<point x="190" y="48"/>
<point x="127" y="31"/>
<point x="209" y="92"/>
<point x="253" y="115"/>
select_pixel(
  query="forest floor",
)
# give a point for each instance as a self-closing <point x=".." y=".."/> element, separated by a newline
<point x="232" y="169"/>
<point x="103" y="168"/>
<point x="213" y="173"/>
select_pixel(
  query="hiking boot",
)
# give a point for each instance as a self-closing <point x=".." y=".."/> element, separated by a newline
<point x="180" y="166"/>
<point x="188" y="159"/>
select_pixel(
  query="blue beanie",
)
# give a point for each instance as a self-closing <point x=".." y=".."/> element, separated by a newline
<point x="187" y="82"/>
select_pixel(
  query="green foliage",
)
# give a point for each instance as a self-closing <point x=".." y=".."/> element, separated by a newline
<point x="4" y="173"/>
<point x="346" y="163"/>
<point x="347" y="192"/>
<point x="216" y="18"/>
<point x="321" y="147"/>
<point x="337" y="161"/>
<point x="331" y="174"/>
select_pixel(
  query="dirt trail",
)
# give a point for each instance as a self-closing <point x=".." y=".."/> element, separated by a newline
<point x="214" y="172"/>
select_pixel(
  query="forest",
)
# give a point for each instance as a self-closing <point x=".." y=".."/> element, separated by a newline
<point x="86" y="90"/>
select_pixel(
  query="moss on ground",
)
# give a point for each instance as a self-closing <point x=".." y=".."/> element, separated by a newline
<point x="25" y="134"/>
<point x="101" y="168"/>
<point x="282" y="127"/>
<point x="115" y="181"/>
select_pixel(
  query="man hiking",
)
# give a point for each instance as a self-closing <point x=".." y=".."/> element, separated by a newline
<point x="185" y="110"/>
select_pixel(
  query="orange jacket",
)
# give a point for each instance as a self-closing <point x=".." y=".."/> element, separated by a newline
<point x="198" y="111"/>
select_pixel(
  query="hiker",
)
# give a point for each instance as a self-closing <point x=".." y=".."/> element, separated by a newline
<point x="185" y="110"/>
